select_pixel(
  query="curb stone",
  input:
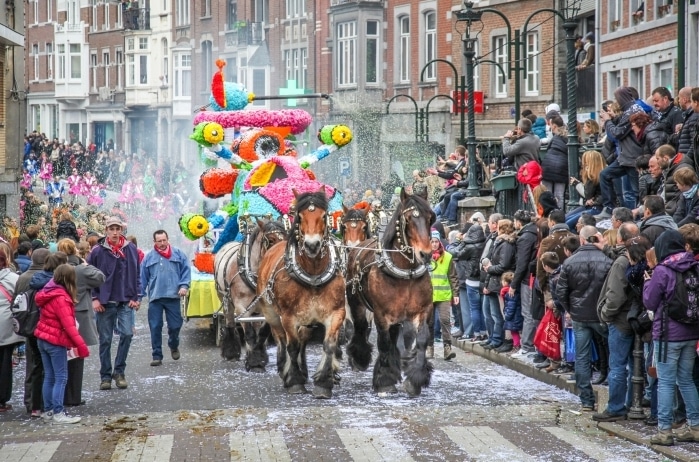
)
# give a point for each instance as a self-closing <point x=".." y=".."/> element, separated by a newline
<point x="601" y="396"/>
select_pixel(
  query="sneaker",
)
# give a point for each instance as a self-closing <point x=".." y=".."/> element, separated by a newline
<point x="36" y="413"/>
<point x="515" y="350"/>
<point x="603" y="215"/>
<point x="106" y="385"/>
<point x="521" y="354"/>
<point x="175" y="354"/>
<point x="651" y="421"/>
<point x="553" y="367"/>
<point x="588" y="408"/>
<point x="506" y="347"/>
<point x="689" y="435"/>
<point x="62" y="418"/>
<point x="456" y="333"/>
<point x="539" y="358"/>
<point x="543" y="365"/>
<point x="448" y="354"/>
<point x="663" y="438"/>
<point x="156" y="362"/>
<point x="480" y="339"/>
<point x="121" y="381"/>
<point x="606" y="416"/>
<point x="491" y="346"/>
<point x="47" y="416"/>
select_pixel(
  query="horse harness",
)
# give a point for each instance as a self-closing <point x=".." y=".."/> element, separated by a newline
<point x="384" y="262"/>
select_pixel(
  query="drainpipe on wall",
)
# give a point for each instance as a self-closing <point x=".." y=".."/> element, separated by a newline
<point x="681" y="20"/>
<point x="598" y="47"/>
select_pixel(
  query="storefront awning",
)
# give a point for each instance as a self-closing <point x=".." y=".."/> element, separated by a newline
<point x="9" y="37"/>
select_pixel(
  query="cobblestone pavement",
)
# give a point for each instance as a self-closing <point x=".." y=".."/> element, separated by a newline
<point x="202" y="408"/>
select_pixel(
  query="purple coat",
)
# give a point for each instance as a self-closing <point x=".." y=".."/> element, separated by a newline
<point x="122" y="275"/>
<point x="660" y="288"/>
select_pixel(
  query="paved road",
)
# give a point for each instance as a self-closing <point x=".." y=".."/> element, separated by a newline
<point x="204" y="408"/>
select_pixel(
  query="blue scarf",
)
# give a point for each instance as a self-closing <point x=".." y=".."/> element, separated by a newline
<point x="689" y="194"/>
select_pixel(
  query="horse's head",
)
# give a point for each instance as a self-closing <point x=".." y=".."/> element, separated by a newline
<point x="354" y="227"/>
<point x="310" y="221"/>
<point x="411" y="222"/>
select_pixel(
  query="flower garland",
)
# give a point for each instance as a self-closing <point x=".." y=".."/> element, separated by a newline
<point x="297" y="119"/>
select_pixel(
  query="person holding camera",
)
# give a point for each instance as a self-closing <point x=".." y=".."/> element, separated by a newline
<point x="520" y="145"/>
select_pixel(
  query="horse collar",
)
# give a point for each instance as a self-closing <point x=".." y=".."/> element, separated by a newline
<point x="244" y="263"/>
<point x="301" y="276"/>
<point x="387" y="266"/>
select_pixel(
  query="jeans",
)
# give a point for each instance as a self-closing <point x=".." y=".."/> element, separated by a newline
<point x="55" y="361"/>
<point x="583" y="332"/>
<point x="677" y="369"/>
<point x="474" y="301"/>
<point x="530" y="324"/>
<point x="466" y="318"/>
<point x="607" y="176"/>
<point x="558" y="190"/>
<point x="573" y="216"/>
<point x="115" y="315"/>
<point x="173" y="316"/>
<point x="620" y="370"/>
<point x="453" y="207"/>
<point x="493" y="316"/>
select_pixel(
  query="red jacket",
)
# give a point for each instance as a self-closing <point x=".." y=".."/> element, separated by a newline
<point x="57" y="319"/>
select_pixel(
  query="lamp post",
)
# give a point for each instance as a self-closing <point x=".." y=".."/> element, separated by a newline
<point x="569" y="12"/>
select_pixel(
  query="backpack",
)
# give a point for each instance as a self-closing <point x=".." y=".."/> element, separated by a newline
<point x="683" y="307"/>
<point x="25" y="313"/>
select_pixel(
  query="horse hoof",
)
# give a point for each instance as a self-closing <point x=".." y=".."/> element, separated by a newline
<point x="298" y="389"/>
<point x="322" y="393"/>
<point x="257" y="369"/>
<point x="387" y="389"/>
<point x="412" y="390"/>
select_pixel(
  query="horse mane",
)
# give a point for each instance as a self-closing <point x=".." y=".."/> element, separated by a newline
<point x="318" y="198"/>
<point x="355" y="214"/>
<point x="411" y="200"/>
<point x="274" y="225"/>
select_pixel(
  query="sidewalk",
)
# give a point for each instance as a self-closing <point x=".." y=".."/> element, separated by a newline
<point x="631" y="430"/>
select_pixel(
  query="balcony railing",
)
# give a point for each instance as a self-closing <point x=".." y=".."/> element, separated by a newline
<point x="245" y="33"/>
<point x="137" y="19"/>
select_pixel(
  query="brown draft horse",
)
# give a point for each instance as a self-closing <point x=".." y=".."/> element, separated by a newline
<point x="235" y="272"/>
<point x="300" y="285"/>
<point x="355" y="227"/>
<point x="391" y="279"/>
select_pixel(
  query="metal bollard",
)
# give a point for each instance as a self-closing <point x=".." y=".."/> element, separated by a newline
<point x="636" y="411"/>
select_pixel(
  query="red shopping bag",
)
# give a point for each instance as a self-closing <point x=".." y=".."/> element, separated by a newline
<point x="547" y="339"/>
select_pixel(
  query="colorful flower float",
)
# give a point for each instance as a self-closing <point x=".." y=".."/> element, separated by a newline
<point x="264" y="168"/>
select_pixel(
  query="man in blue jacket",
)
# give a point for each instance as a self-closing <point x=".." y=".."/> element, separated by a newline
<point x="165" y="277"/>
<point x="113" y="301"/>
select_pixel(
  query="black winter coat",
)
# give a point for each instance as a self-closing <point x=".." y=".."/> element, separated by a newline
<point x="647" y="186"/>
<point x="527" y="243"/>
<point x="581" y="280"/>
<point x="501" y="260"/>
<point x="672" y="194"/>
<point x="687" y="210"/>
<point x="653" y="137"/>
<point x="684" y="139"/>
<point x="670" y="118"/>
<point x="468" y="256"/>
<point x="555" y="164"/>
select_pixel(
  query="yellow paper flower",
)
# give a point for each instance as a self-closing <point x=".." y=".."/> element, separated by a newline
<point x="213" y="133"/>
<point x="341" y="135"/>
<point x="198" y="226"/>
<point x="262" y="174"/>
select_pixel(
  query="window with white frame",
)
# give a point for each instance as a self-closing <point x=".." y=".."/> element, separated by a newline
<point x="35" y="54"/>
<point x="296" y="55"/>
<point x="231" y="14"/>
<point x="404" y="49"/>
<point x="143" y="69"/>
<point x="430" y="44"/>
<point x="500" y="52"/>
<point x="664" y="75"/>
<point x="531" y="87"/>
<point x="614" y="10"/>
<point x="206" y="8"/>
<point x="143" y="43"/>
<point x="287" y="64"/>
<point x="93" y="13"/>
<point x="637" y="80"/>
<point x="304" y="66"/>
<point x="182" y="10"/>
<point x="613" y="82"/>
<point x="183" y="75"/>
<point x="106" y="63"/>
<point x="130" y="70"/>
<point x="49" y="61"/>
<point x="372" y="52"/>
<point x="73" y="12"/>
<point x="130" y="44"/>
<point x="347" y="54"/>
<point x="295" y="8"/>
<point x="207" y="63"/>
<point x="166" y="62"/>
<point x="36" y="11"/>
<point x="36" y="117"/>
<point x="49" y="10"/>
<point x="93" y="69"/>
<point x="61" y="61"/>
<point x="120" y="67"/>
<point x="75" y="62"/>
<point x="120" y="17"/>
<point x="105" y="22"/>
<point x="261" y="10"/>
